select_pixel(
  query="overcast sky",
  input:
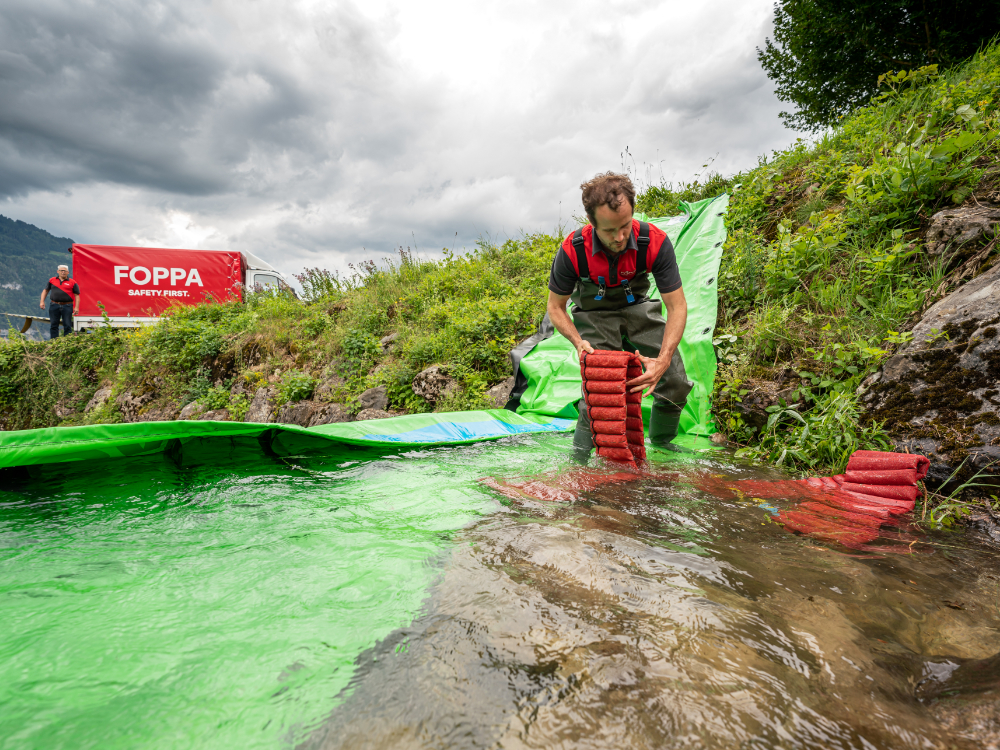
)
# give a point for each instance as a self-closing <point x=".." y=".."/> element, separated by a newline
<point x="320" y="133"/>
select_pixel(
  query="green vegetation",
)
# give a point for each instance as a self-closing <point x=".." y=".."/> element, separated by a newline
<point x="827" y="55"/>
<point x="825" y="267"/>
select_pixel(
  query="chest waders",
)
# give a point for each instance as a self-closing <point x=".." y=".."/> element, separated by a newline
<point x="616" y="314"/>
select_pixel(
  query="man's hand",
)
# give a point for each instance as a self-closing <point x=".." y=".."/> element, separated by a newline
<point x="654" y="370"/>
<point x="583" y="346"/>
<point x="41" y="305"/>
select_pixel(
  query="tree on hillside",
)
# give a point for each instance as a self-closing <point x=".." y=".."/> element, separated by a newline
<point x="827" y="55"/>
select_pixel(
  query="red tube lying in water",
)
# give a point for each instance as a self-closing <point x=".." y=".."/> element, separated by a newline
<point x="891" y="477"/>
<point x="879" y="490"/>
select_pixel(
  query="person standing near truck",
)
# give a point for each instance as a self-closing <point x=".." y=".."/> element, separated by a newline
<point x="64" y="301"/>
<point x="604" y="268"/>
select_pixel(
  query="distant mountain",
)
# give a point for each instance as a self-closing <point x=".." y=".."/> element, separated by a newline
<point x="28" y="258"/>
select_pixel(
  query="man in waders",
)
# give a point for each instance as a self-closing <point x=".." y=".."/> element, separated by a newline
<point x="64" y="297"/>
<point x="604" y="268"/>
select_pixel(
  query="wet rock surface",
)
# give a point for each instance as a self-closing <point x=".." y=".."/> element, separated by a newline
<point x="940" y="394"/>
<point x="434" y="384"/>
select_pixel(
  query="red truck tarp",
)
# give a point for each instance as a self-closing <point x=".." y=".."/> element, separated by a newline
<point x="145" y="281"/>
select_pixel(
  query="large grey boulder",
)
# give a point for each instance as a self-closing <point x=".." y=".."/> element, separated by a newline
<point x="940" y="394"/>
<point x="261" y="407"/>
<point x="375" y="398"/>
<point x="433" y="384"/>
<point x="956" y="226"/>
<point x="330" y="414"/>
<point x="499" y="395"/>
<point x="299" y="412"/>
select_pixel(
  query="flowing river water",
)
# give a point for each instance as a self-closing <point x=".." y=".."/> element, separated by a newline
<point x="224" y="598"/>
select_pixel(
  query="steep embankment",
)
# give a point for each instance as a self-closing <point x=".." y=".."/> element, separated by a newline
<point x="837" y="250"/>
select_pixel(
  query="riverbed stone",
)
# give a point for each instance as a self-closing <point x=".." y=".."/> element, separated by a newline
<point x="374" y="398"/>
<point x="192" y="410"/>
<point x="434" y="384"/>
<point x="954" y="227"/>
<point x="330" y="414"/>
<point x="261" y="409"/>
<point x="940" y="394"/>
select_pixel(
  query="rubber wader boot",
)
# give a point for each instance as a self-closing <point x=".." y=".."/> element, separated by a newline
<point x="583" y="440"/>
<point x="663" y="423"/>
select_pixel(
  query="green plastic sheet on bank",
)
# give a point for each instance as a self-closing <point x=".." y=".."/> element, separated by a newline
<point x="553" y="369"/>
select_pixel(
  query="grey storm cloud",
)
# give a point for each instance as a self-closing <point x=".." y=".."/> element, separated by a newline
<point x="318" y="135"/>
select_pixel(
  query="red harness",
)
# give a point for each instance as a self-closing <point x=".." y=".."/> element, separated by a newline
<point x="66" y="286"/>
<point x="621" y="269"/>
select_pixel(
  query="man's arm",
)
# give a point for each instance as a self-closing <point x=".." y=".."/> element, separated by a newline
<point x="76" y="299"/>
<point x="560" y="319"/>
<point x="41" y="302"/>
<point x="676" y="305"/>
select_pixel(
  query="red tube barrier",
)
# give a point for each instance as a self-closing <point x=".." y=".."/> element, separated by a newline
<point x="881" y="460"/>
<point x="893" y="477"/>
<point x="615" y="415"/>
<point x="880" y="490"/>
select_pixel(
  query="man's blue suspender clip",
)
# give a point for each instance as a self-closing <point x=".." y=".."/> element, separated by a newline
<point x="600" y="289"/>
<point x="628" y="291"/>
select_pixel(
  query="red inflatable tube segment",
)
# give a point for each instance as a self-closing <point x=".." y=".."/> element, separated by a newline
<point x="880" y="490"/>
<point x="616" y="427"/>
<point x="606" y="400"/>
<point x="605" y="413"/>
<point x="616" y="454"/>
<point x="615" y="374"/>
<point x="610" y="441"/>
<point x="884" y="461"/>
<point x="892" y="477"/>
<point x="633" y="411"/>
<point x="633" y="398"/>
<point x="634" y="424"/>
<point x="606" y="359"/>
<point x="635" y="437"/>
<point x="604" y="386"/>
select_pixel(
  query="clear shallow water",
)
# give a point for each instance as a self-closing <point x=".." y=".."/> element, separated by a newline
<point x="352" y="600"/>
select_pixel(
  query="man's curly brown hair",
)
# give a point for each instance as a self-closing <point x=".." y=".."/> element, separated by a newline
<point x="607" y="189"/>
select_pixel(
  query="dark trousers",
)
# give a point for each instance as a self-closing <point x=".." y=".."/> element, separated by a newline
<point x="60" y="314"/>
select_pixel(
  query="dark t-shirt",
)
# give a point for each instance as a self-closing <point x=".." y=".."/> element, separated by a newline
<point x="58" y="296"/>
<point x="563" y="278"/>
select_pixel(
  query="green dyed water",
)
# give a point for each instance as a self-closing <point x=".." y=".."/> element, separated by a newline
<point x="222" y="598"/>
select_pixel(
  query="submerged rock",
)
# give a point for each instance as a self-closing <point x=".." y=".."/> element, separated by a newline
<point x="940" y="394"/>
